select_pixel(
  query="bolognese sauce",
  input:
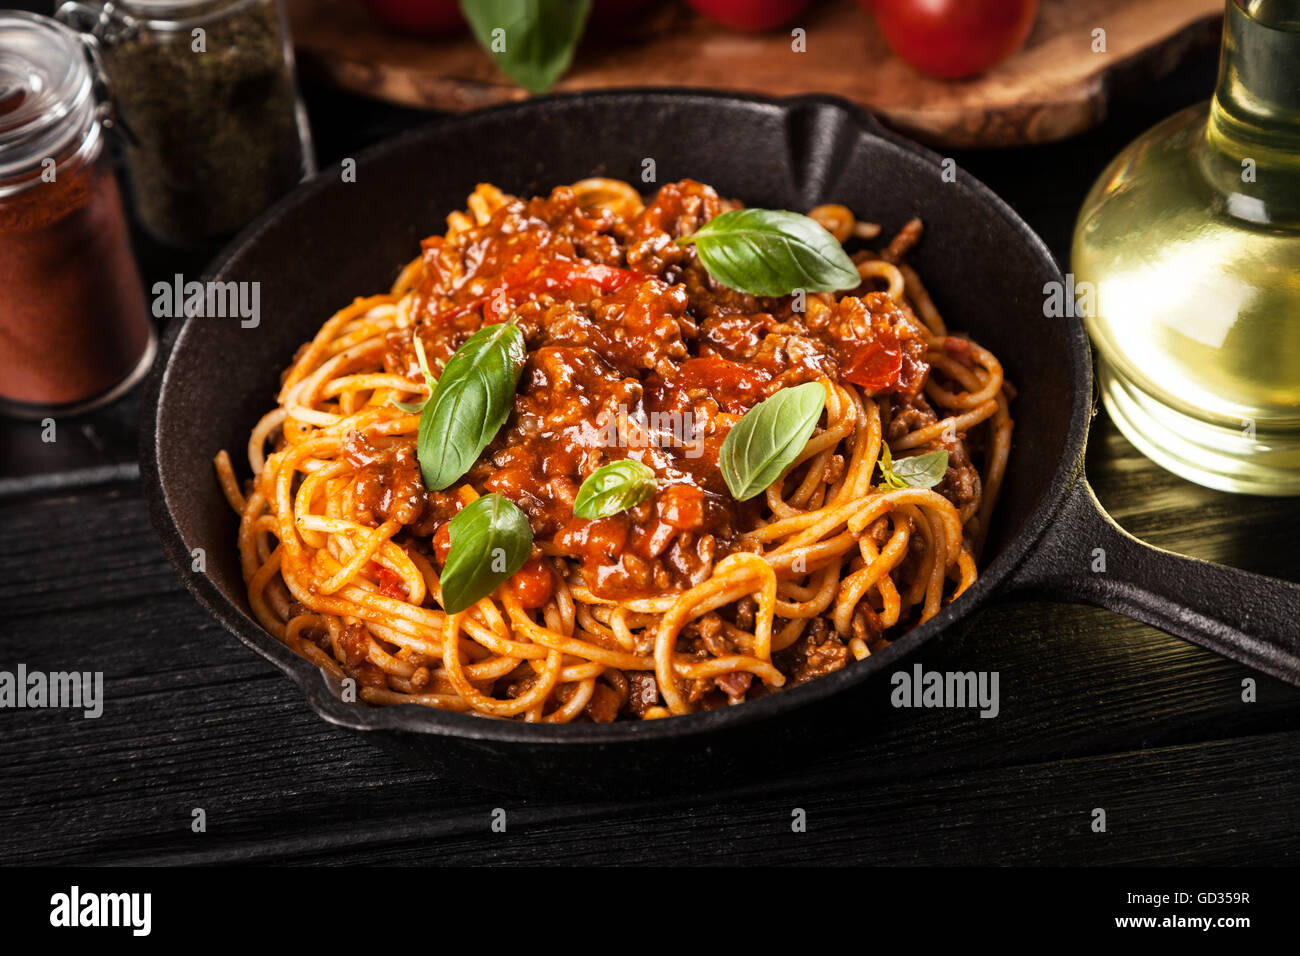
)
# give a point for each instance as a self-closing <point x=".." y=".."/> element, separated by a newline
<point x="625" y="327"/>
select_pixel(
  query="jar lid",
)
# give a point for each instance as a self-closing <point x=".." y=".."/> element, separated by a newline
<point x="47" y="92"/>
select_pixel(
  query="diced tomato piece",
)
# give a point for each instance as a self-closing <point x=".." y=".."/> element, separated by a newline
<point x="566" y="275"/>
<point x="875" y="365"/>
<point x="391" y="584"/>
<point x="735" y="387"/>
<point x="526" y="278"/>
<point x="532" y="584"/>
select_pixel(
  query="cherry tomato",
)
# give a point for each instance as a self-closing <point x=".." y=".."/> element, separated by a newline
<point x="954" y="38"/>
<point x="750" y="14"/>
<point x="424" y="17"/>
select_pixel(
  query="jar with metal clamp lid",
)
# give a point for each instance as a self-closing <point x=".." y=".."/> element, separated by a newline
<point x="74" y="332"/>
<point x="206" y="91"/>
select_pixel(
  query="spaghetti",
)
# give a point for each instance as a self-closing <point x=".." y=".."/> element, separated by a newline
<point x="690" y="599"/>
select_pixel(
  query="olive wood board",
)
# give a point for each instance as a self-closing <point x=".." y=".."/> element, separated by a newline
<point x="1056" y="86"/>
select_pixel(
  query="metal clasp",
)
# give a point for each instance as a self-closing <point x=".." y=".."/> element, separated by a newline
<point x="98" y="27"/>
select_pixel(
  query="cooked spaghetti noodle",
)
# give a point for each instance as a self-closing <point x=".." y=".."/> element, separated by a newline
<point x="689" y="600"/>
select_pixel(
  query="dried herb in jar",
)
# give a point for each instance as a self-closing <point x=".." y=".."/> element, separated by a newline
<point x="215" y="116"/>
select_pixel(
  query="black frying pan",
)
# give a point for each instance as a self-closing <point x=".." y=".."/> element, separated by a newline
<point x="330" y="241"/>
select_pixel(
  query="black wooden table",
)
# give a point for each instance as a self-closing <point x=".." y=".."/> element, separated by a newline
<point x="1096" y="711"/>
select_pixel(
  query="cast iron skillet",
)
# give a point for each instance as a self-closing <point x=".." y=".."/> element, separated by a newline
<point x="330" y="241"/>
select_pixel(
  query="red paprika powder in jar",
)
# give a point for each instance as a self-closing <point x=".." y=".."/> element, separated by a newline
<point x="74" y="331"/>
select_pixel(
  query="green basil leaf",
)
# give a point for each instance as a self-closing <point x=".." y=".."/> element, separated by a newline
<point x="414" y="408"/>
<point x="772" y="252"/>
<point x="537" y="40"/>
<point x="919" y="471"/>
<point x="469" y="404"/>
<point x="759" y="448"/>
<point x="615" y="487"/>
<point x="490" y="541"/>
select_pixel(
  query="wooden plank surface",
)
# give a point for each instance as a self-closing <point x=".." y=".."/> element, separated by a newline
<point x="1058" y="85"/>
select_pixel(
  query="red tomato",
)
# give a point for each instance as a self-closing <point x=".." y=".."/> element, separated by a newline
<point x="417" y="16"/>
<point x="736" y="387"/>
<point x="391" y="584"/>
<point x="532" y="584"/>
<point x="876" y="365"/>
<point x="750" y="14"/>
<point x="954" y="38"/>
<point x="564" y="276"/>
<point x="524" y="278"/>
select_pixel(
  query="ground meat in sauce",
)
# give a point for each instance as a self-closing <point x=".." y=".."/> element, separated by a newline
<point x="815" y="654"/>
<point x="634" y="350"/>
<point x="355" y="641"/>
<point x="389" y="486"/>
<point x="604" y="705"/>
<point x="643" y="693"/>
<point x="961" y="483"/>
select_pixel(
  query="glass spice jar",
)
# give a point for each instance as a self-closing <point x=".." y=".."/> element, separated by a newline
<point x="215" y="128"/>
<point x="74" y="331"/>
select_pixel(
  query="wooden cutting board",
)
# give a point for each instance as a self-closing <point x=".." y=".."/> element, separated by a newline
<point x="1054" y="87"/>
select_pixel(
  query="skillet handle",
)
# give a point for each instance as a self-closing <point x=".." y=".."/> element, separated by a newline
<point x="1246" y="617"/>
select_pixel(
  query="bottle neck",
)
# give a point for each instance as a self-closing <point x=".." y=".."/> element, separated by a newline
<point x="1251" y="152"/>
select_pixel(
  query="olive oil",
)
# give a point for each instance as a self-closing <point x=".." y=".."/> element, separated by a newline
<point x="1190" y="240"/>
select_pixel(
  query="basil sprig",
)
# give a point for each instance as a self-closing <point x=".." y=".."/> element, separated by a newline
<point x="537" y="40"/>
<point x="414" y="408"/>
<point x="772" y="252"/>
<point x="918" y="471"/>
<point x="760" y="446"/>
<point x="469" y="404"/>
<point x="615" y="487"/>
<point x="490" y="541"/>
